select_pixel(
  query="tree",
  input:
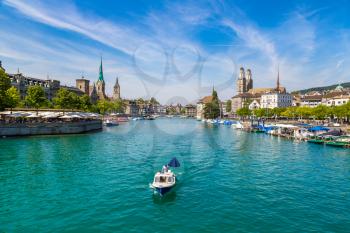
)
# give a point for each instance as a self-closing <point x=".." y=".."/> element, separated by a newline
<point x="277" y="112"/>
<point x="62" y="99"/>
<point x="12" y="97"/>
<point x="320" y="112"/>
<point x="260" y="112"/>
<point x="68" y="100"/>
<point x="289" y="112"/>
<point x="153" y="101"/>
<point x="118" y="106"/>
<point x="35" y="97"/>
<point x="304" y="112"/>
<point x="5" y="84"/>
<point x="85" y="103"/>
<point x="244" y="112"/>
<point x="228" y="106"/>
<point x="212" y="109"/>
<point x="74" y="101"/>
<point x="104" y="106"/>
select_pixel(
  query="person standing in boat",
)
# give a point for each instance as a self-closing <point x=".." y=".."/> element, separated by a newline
<point x="165" y="168"/>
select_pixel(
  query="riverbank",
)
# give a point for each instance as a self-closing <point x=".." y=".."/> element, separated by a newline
<point x="49" y="128"/>
<point x="26" y="123"/>
<point x="337" y="136"/>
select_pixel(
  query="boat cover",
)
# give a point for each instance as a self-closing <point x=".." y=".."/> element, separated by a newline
<point x="318" y="128"/>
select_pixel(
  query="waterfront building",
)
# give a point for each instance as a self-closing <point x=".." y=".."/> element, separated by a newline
<point x="243" y="100"/>
<point x="337" y="100"/>
<point x="83" y="85"/>
<point x="190" y="110"/>
<point x="311" y="100"/>
<point x="276" y="100"/>
<point x="50" y="86"/>
<point x="246" y="93"/>
<point x="131" y="108"/>
<point x="296" y="100"/>
<point x="201" y="104"/>
<point x="255" y="104"/>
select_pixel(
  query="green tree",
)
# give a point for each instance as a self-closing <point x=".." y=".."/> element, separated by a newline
<point x="62" y="99"/>
<point x="260" y="112"/>
<point x="277" y="112"/>
<point x="244" y="112"/>
<point x="228" y="106"/>
<point x="118" y="106"/>
<point x="212" y="109"/>
<point x="5" y="84"/>
<point x="74" y="101"/>
<point x="320" y="112"/>
<point x="104" y="106"/>
<point x="65" y="99"/>
<point x="85" y="103"/>
<point x="303" y="112"/>
<point x="12" y="97"/>
<point x="289" y="112"/>
<point x="36" y="97"/>
<point x="153" y="101"/>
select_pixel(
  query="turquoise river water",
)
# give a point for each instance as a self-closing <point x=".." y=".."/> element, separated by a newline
<point x="229" y="181"/>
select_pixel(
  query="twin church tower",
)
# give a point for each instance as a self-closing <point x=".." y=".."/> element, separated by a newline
<point x="245" y="81"/>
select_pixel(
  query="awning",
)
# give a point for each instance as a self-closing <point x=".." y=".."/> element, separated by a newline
<point x="318" y="128"/>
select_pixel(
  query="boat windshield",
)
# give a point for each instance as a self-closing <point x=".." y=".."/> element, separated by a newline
<point x="160" y="179"/>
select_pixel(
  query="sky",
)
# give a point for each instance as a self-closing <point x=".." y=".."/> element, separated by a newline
<point x="177" y="51"/>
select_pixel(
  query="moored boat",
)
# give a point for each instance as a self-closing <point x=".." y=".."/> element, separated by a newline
<point x="109" y="123"/>
<point x="343" y="141"/>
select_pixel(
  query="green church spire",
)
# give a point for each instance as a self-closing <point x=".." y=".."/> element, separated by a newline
<point x="100" y="77"/>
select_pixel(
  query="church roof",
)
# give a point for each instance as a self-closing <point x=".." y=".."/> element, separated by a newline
<point x="116" y="83"/>
<point x="263" y="90"/>
<point x="206" y="99"/>
<point x="100" y="76"/>
<point x="248" y="95"/>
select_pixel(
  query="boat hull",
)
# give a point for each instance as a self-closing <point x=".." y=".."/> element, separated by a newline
<point x="164" y="190"/>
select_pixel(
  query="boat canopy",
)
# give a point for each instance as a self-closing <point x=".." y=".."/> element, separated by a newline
<point x="318" y="128"/>
<point x="174" y="163"/>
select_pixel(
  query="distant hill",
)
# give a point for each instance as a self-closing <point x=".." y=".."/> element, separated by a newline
<point x="320" y="89"/>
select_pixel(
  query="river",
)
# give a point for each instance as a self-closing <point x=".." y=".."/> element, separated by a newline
<point x="229" y="181"/>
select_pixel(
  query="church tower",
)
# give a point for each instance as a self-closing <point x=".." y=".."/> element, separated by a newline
<point x="116" y="90"/>
<point x="241" y="82"/>
<point x="249" y="84"/>
<point x="100" y="84"/>
<point x="93" y="95"/>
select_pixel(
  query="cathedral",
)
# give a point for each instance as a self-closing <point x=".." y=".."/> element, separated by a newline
<point x="97" y="91"/>
<point x="246" y="93"/>
<point x="245" y="81"/>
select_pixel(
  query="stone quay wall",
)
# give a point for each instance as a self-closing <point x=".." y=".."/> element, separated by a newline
<point x="49" y="128"/>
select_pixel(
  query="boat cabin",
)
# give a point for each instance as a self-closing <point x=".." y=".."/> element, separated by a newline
<point x="164" y="178"/>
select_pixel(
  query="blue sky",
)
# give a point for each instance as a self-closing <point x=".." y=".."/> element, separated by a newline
<point x="178" y="50"/>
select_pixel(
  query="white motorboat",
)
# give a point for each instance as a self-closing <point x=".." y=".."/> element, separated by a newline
<point x="110" y="123"/>
<point x="165" y="180"/>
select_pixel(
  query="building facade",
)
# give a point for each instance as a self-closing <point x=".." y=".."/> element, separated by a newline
<point x="190" y="110"/>
<point x="276" y="100"/>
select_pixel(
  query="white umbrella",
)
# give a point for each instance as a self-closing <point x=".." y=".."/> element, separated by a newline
<point x="19" y="114"/>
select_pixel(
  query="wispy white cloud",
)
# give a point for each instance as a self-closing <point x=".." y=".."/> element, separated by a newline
<point x="164" y="53"/>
